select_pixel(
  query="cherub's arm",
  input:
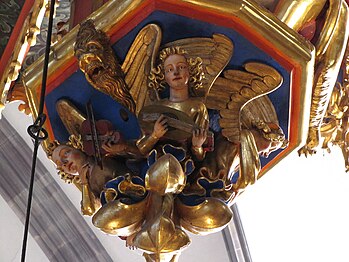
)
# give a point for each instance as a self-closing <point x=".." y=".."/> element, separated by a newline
<point x="89" y="204"/>
<point x="147" y="142"/>
<point x="200" y="134"/>
<point x="128" y="148"/>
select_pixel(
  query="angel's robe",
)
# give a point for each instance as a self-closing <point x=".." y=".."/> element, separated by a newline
<point x="97" y="178"/>
<point x="195" y="109"/>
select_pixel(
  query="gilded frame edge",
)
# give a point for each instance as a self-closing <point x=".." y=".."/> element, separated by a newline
<point x="26" y="37"/>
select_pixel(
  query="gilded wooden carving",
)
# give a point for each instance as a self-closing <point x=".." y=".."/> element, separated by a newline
<point x="182" y="162"/>
<point x="200" y="120"/>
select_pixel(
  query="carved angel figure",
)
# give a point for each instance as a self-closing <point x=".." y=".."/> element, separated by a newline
<point x="187" y="181"/>
<point x="81" y="169"/>
<point x="177" y="72"/>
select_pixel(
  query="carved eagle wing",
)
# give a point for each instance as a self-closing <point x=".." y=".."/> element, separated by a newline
<point x="139" y="61"/>
<point x="231" y="93"/>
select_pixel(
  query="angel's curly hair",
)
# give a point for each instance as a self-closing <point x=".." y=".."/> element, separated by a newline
<point x="157" y="75"/>
<point x="271" y="132"/>
<point x="75" y="142"/>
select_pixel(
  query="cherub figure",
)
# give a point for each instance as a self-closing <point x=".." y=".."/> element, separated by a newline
<point x="73" y="162"/>
<point x="182" y="76"/>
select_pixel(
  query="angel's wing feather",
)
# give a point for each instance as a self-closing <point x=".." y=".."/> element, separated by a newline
<point x="71" y="117"/>
<point x="140" y="59"/>
<point x="215" y="53"/>
<point x="229" y="94"/>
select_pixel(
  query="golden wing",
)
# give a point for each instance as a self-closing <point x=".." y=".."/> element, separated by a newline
<point x="231" y="93"/>
<point x="71" y="117"/>
<point x="215" y="52"/>
<point x="139" y="61"/>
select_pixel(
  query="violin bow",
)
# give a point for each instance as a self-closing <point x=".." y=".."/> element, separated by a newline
<point x="91" y="119"/>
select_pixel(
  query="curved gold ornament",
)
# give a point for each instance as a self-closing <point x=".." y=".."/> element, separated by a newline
<point x="17" y="93"/>
<point x="160" y="234"/>
<point x="162" y="237"/>
<point x="296" y="13"/>
<point x="165" y="176"/>
<point x="120" y="219"/>
<point x="127" y="187"/>
<point x="211" y="216"/>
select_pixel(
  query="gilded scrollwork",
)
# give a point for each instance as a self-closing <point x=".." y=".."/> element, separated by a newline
<point x="26" y="38"/>
<point x="17" y="93"/>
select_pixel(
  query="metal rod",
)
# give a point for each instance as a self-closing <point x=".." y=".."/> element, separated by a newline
<point x="39" y="122"/>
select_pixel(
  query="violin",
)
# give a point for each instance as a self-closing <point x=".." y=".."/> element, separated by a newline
<point x="96" y="133"/>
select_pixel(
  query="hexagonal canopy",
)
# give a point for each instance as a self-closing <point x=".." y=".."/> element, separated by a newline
<point x="256" y="34"/>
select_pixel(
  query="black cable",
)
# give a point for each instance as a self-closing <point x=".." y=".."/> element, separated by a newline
<point x="36" y="130"/>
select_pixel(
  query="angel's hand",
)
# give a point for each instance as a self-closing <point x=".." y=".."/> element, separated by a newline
<point x="113" y="137"/>
<point x="112" y="145"/>
<point x="199" y="137"/>
<point x="114" y="149"/>
<point x="160" y="127"/>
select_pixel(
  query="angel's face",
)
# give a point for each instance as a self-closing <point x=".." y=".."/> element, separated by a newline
<point x="68" y="159"/>
<point x="176" y="72"/>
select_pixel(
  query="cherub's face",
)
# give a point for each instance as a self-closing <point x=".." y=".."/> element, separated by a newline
<point x="176" y="71"/>
<point x="68" y="159"/>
